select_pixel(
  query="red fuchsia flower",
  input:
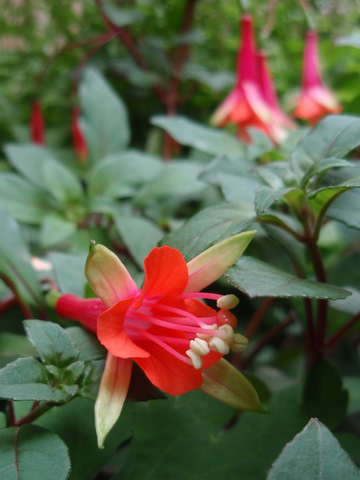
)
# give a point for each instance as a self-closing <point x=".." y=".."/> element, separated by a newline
<point x="37" y="128"/>
<point x="78" y="139"/>
<point x="245" y="106"/>
<point x="315" y="100"/>
<point x="164" y="326"/>
<point x="276" y="129"/>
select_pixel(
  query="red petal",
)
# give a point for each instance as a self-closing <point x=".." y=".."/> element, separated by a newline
<point x="166" y="273"/>
<point x="168" y="373"/>
<point x="112" y="334"/>
<point x="308" y="108"/>
<point x="222" y="114"/>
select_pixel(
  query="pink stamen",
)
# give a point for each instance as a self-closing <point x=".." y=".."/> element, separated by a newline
<point x="167" y="322"/>
<point x="164" y="345"/>
<point x="185" y="318"/>
<point x="205" y="295"/>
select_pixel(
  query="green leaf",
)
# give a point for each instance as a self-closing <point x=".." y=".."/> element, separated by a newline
<point x="86" y="344"/>
<point x="61" y="182"/>
<point x="352" y="385"/>
<point x="29" y="160"/>
<point x="322" y="198"/>
<point x="139" y="235"/>
<point x="239" y="189"/>
<point x="17" y="267"/>
<point x="295" y="250"/>
<point x="209" y="226"/>
<point x="120" y="175"/>
<point x="32" y="453"/>
<point x="345" y="209"/>
<point x="135" y="75"/>
<point x="277" y="175"/>
<point x="178" y="178"/>
<point x="323" y="166"/>
<point x="314" y="453"/>
<point x="333" y="137"/>
<point x="191" y="428"/>
<point x="22" y="200"/>
<point x="259" y="279"/>
<point x="105" y="120"/>
<point x="28" y="379"/>
<point x="73" y="423"/>
<point x="122" y="17"/>
<point x="13" y="346"/>
<point x="52" y="342"/>
<point x="56" y="230"/>
<point x="324" y="397"/>
<point x="69" y="272"/>
<point x="202" y="138"/>
<point x="266" y="197"/>
<point x="350" y="304"/>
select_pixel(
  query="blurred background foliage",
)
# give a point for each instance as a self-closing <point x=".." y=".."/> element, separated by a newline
<point x="46" y="44"/>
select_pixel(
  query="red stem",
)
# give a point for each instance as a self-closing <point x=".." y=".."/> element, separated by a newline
<point x="253" y="325"/>
<point x="24" y="308"/>
<point x="7" y="303"/>
<point x="270" y="335"/>
<point x="128" y="41"/>
<point x="12" y="419"/>
<point x="334" y="340"/>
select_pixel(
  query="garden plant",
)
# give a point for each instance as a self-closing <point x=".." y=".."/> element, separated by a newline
<point x="179" y="240"/>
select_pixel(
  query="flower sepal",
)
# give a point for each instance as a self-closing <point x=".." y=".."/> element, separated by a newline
<point x="225" y="383"/>
<point x="107" y="276"/>
<point x="207" y="267"/>
<point x="113" y="389"/>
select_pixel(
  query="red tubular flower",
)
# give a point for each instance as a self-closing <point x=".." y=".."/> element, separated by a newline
<point x="37" y="128"/>
<point x="245" y="105"/>
<point x="164" y="326"/>
<point x="315" y="100"/>
<point x="78" y="139"/>
<point x="280" y="121"/>
<point x="85" y="311"/>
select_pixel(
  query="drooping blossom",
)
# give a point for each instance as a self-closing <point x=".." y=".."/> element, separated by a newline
<point x="37" y="127"/>
<point x="252" y="102"/>
<point x="280" y="122"/>
<point x="315" y="99"/>
<point x="77" y="136"/>
<point x="164" y="326"/>
<point x="244" y="106"/>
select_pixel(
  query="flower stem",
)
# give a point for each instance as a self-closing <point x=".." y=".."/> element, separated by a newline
<point x="316" y="345"/>
<point x="334" y="340"/>
<point x="270" y="335"/>
<point x="34" y="413"/>
<point x="252" y="327"/>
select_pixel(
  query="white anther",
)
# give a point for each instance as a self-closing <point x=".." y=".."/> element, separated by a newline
<point x="227" y="302"/>
<point x="199" y="346"/>
<point x="210" y="327"/>
<point x="195" y="358"/>
<point x="239" y="343"/>
<point x="207" y="327"/>
<point x="227" y="333"/>
<point x="219" y="345"/>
